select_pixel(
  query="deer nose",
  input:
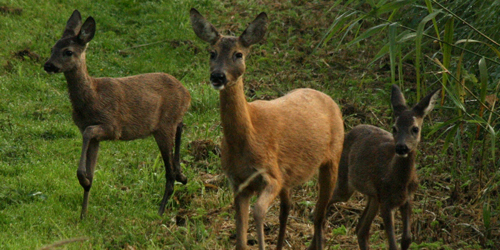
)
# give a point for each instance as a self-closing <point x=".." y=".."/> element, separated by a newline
<point x="218" y="78"/>
<point x="50" y="68"/>
<point x="402" y="149"/>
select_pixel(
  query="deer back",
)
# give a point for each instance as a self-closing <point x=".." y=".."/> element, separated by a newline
<point x="135" y="105"/>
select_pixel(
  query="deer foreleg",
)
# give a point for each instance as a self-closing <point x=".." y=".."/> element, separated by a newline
<point x="363" y="227"/>
<point x="267" y="196"/>
<point x="405" y="210"/>
<point x="88" y="159"/>
<point x="387" y="216"/>
<point x="241" y="205"/>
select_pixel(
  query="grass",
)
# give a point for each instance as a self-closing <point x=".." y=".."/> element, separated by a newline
<point x="40" y="196"/>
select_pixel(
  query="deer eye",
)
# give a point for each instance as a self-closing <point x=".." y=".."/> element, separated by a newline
<point x="238" y="55"/>
<point x="68" y="53"/>
<point x="414" y="130"/>
<point x="213" y="54"/>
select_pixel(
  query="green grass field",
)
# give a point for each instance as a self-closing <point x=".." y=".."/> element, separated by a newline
<point x="40" y="196"/>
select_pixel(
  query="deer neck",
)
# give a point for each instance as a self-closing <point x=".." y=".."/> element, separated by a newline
<point x="403" y="169"/>
<point x="236" y="121"/>
<point x="80" y="86"/>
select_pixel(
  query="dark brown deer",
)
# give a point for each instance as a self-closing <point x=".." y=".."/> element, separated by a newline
<point x="381" y="165"/>
<point x="270" y="147"/>
<point x="118" y="108"/>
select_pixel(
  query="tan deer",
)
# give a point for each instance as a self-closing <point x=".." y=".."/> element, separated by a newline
<point x="381" y="165"/>
<point x="270" y="147"/>
<point x="118" y="108"/>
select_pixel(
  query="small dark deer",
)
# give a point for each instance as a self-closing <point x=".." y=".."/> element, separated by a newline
<point x="269" y="147"/>
<point x="118" y="108"/>
<point x="381" y="165"/>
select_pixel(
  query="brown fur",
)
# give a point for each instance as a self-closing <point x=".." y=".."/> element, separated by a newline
<point x="371" y="165"/>
<point x="125" y="108"/>
<point x="270" y="147"/>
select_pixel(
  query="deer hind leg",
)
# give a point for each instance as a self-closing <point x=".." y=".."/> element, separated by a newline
<point x="265" y="199"/>
<point x="88" y="159"/>
<point x="405" y="210"/>
<point x="177" y="161"/>
<point x="327" y="177"/>
<point x="285" y="206"/>
<point x="363" y="227"/>
<point x="242" y="205"/>
<point x="343" y="191"/>
<point x="90" y="167"/>
<point x="164" y="138"/>
<point x="388" y="218"/>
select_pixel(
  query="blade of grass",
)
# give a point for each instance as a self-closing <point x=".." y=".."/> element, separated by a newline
<point x="401" y="38"/>
<point x="448" y="38"/>
<point x="437" y="127"/>
<point x="497" y="52"/>
<point x="400" y="67"/>
<point x="392" y="51"/>
<point x="392" y="6"/>
<point x="349" y="28"/>
<point x="368" y="33"/>
<point x="483" y="72"/>
<point x="491" y="127"/>
<point x="460" y="81"/>
<point x="449" y="137"/>
<point x="334" y="27"/>
<point x="434" y="23"/>
<point x="466" y="23"/>
<point x="487" y="219"/>
<point x="418" y="47"/>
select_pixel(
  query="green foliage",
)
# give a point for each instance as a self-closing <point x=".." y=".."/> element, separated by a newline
<point x="434" y="245"/>
<point x="340" y="230"/>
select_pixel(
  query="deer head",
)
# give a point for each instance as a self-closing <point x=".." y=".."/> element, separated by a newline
<point x="69" y="52"/>
<point x="408" y="122"/>
<point x="227" y="53"/>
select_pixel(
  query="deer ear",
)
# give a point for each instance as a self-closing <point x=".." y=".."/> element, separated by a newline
<point x="255" y="31"/>
<point x="202" y="28"/>
<point x="426" y="105"/>
<point x="73" y="25"/>
<point x="398" y="101"/>
<point x="87" y="31"/>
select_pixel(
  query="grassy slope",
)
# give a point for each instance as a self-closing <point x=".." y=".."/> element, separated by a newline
<point x="39" y="145"/>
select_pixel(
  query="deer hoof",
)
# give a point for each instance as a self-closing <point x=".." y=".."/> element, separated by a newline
<point x="181" y="178"/>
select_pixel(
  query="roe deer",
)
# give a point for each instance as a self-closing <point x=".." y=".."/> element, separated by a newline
<point x="381" y="165"/>
<point x="118" y="108"/>
<point x="269" y="147"/>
